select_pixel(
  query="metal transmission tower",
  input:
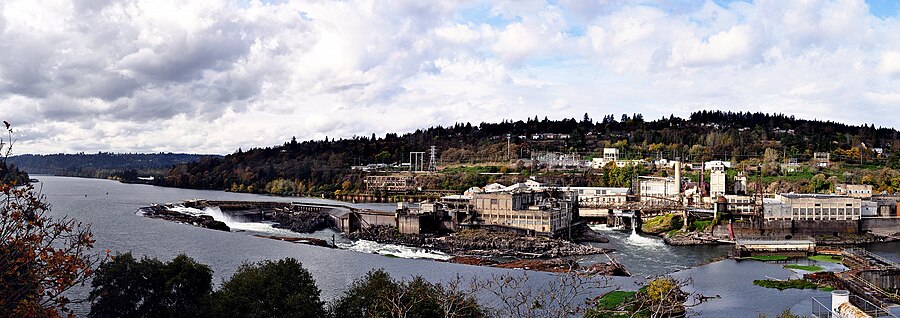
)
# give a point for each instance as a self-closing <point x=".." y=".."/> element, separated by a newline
<point x="416" y="161"/>
<point x="433" y="164"/>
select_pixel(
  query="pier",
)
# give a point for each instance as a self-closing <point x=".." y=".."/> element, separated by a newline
<point x="745" y="248"/>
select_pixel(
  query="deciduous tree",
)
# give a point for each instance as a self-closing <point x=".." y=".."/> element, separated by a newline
<point x="41" y="257"/>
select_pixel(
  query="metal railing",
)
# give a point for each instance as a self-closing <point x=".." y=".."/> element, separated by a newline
<point x="866" y="254"/>
<point x="820" y="310"/>
<point x="873" y="287"/>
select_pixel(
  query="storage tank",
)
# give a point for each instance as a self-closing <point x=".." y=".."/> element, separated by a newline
<point x="838" y="298"/>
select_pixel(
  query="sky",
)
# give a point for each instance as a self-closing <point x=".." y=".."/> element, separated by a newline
<point x="215" y="76"/>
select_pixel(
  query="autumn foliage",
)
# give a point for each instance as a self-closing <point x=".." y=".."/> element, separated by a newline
<point x="41" y="257"/>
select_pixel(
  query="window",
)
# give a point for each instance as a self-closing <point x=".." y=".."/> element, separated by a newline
<point x="494" y="202"/>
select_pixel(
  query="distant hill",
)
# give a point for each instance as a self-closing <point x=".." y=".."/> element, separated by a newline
<point x="101" y="165"/>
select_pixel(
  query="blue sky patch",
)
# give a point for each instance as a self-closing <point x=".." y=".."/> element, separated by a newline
<point x="884" y="8"/>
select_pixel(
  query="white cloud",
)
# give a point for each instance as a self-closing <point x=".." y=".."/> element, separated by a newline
<point x="211" y="76"/>
<point x="890" y="63"/>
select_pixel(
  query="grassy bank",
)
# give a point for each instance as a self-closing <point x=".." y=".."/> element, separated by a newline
<point x="661" y="224"/>
<point x="827" y="258"/>
<point x="614" y="299"/>
<point x="789" y="284"/>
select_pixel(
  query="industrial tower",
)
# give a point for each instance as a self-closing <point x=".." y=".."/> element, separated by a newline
<point x="433" y="164"/>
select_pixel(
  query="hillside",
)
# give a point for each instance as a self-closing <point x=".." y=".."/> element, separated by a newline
<point x="101" y="165"/>
<point x="324" y="166"/>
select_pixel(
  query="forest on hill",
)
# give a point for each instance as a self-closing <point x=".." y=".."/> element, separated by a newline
<point x="324" y="166"/>
<point x="102" y="165"/>
<point x="10" y="174"/>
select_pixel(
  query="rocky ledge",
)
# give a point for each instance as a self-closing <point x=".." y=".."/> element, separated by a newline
<point x="581" y="232"/>
<point x="163" y="212"/>
<point x="299" y="240"/>
<point x="302" y="222"/>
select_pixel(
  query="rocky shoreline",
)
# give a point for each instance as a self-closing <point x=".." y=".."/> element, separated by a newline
<point x="554" y="265"/>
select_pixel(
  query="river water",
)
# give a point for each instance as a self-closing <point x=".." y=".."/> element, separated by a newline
<point x="110" y="207"/>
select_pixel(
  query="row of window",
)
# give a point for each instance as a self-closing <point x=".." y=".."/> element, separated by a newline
<point x="826" y="211"/>
<point x="523" y="222"/>
<point x="508" y="216"/>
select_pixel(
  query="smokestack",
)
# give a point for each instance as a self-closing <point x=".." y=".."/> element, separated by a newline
<point x="678" y="177"/>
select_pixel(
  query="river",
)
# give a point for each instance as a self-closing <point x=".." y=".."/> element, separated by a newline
<point x="110" y="207"/>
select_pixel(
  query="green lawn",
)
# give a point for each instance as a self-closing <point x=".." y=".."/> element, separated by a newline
<point x="786" y="284"/>
<point x="827" y="258"/>
<point x="614" y="299"/>
<point x="808" y="268"/>
<point x="661" y="223"/>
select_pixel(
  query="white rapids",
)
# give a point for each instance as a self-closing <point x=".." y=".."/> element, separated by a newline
<point x="364" y="246"/>
<point x="218" y="215"/>
<point x="634" y="239"/>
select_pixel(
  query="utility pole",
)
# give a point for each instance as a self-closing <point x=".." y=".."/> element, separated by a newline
<point x="508" y="147"/>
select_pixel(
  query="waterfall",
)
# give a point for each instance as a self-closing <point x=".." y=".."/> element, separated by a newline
<point x="637" y="239"/>
<point x="235" y="223"/>
<point x="217" y="214"/>
<point x="633" y="226"/>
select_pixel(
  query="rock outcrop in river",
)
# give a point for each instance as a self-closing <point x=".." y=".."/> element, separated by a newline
<point x="302" y="222"/>
<point x="481" y="243"/>
<point x="163" y="212"/>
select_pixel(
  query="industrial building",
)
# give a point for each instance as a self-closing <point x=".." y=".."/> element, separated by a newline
<point x="658" y="188"/>
<point x="813" y="207"/>
<point x="854" y="190"/>
<point x="390" y="183"/>
<point x="612" y="155"/>
<point x="717" y="181"/>
<point x="525" y="211"/>
<point x="597" y="201"/>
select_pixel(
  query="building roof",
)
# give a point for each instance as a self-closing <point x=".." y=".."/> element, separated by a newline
<point x="609" y="190"/>
<point x="457" y="197"/>
<point x="814" y="196"/>
<point x="774" y="242"/>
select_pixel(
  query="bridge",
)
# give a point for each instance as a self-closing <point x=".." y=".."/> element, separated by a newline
<point x="348" y="219"/>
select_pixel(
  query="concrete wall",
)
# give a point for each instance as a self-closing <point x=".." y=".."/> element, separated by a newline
<point x="822" y="227"/>
<point x="887" y="280"/>
<point x="780" y="229"/>
<point x="409" y="224"/>
<point x="880" y="225"/>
